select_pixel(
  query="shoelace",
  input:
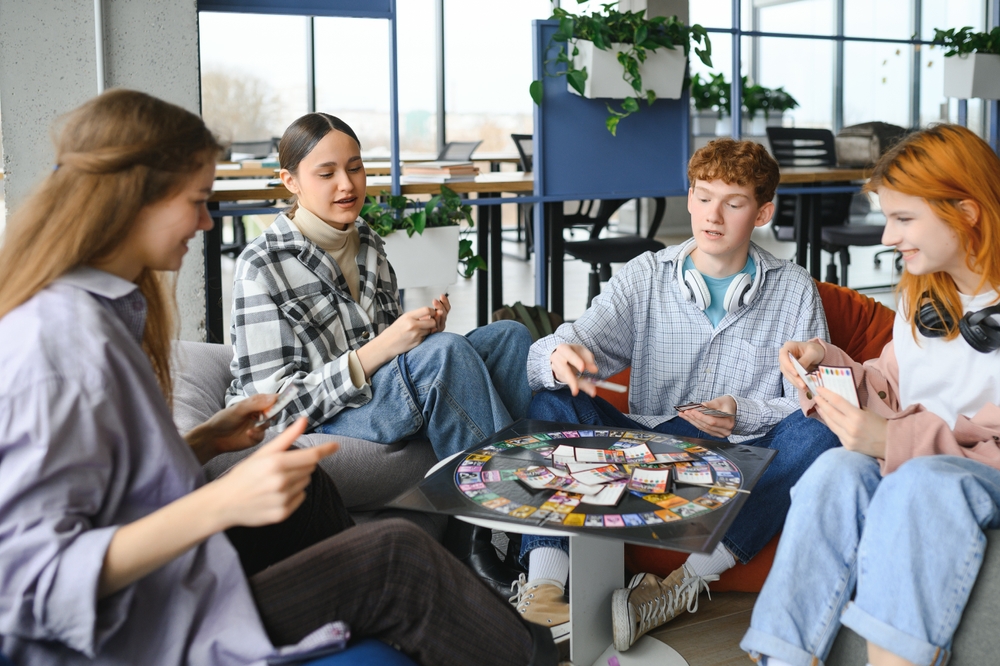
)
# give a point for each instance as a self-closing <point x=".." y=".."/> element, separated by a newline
<point x="521" y="584"/>
<point x="654" y="613"/>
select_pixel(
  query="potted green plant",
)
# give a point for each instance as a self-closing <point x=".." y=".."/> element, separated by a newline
<point x="624" y="55"/>
<point x="423" y="239"/>
<point x="972" y="62"/>
<point x="779" y="101"/>
<point x="710" y="98"/>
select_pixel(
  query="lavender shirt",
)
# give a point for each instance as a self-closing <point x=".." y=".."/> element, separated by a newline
<point x="87" y="444"/>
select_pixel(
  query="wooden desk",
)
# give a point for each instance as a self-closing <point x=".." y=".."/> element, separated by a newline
<point x="489" y="282"/>
<point x="808" y="225"/>
<point x="246" y="172"/>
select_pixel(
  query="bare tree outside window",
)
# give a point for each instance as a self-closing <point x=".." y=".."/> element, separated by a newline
<point x="239" y="106"/>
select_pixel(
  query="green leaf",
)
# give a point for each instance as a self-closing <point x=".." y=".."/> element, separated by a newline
<point x="611" y="122"/>
<point x="419" y="220"/>
<point x="650" y="97"/>
<point x="535" y="89"/>
<point x="432" y="204"/>
<point x="577" y="78"/>
<point x="640" y="34"/>
<point x="630" y="104"/>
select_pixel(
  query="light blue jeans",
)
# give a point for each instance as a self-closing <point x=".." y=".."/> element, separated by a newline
<point x="907" y="546"/>
<point x="454" y="390"/>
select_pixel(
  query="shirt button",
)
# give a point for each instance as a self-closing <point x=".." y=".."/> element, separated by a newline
<point x="365" y="335"/>
<point x="881" y="394"/>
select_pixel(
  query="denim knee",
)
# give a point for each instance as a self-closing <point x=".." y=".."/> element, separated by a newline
<point x="559" y="406"/>
<point x="440" y="353"/>
<point x="512" y="333"/>
<point x="927" y="483"/>
<point x="832" y="472"/>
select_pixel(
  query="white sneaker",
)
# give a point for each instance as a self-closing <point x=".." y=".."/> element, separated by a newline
<point x="650" y="601"/>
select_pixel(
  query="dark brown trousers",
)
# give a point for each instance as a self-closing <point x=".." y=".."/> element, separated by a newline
<point x="387" y="580"/>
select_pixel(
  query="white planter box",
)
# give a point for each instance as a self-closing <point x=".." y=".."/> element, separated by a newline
<point x="424" y="260"/>
<point x="972" y="76"/>
<point x="705" y="122"/>
<point x="663" y="72"/>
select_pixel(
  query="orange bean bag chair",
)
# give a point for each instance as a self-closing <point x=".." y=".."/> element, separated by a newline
<point x="860" y="326"/>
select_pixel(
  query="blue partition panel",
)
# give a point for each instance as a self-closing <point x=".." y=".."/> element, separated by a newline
<point x="577" y="158"/>
<point x="344" y="8"/>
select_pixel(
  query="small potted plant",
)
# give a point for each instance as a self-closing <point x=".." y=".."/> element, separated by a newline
<point x="779" y="101"/>
<point x="972" y="62"/>
<point x="710" y="98"/>
<point x="422" y="240"/>
<point x="626" y="56"/>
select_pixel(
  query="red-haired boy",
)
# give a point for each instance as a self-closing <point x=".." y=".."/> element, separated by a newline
<point x="697" y="322"/>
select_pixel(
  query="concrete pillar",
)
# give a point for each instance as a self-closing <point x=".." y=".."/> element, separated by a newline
<point x="48" y="61"/>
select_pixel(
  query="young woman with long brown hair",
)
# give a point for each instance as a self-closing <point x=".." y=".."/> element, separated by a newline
<point x="896" y="516"/>
<point x="111" y="544"/>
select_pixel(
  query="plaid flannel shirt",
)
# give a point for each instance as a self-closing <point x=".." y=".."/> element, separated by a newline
<point x="294" y="320"/>
<point x="644" y="320"/>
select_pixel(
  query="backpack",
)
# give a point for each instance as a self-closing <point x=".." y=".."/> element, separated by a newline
<point x="862" y="145"/>
<point x="539" y="321"/>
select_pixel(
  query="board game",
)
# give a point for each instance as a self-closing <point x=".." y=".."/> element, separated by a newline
<point x="631" y="485"/>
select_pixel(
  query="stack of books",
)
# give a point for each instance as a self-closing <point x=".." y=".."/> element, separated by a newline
<point x="440" y="172"/>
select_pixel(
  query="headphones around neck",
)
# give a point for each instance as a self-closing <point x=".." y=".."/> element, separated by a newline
<point x="979" y="328"/>
<point x="741" y="290"/>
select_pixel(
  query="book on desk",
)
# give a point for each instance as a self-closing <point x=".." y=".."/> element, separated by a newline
<point x="440" y="172"/>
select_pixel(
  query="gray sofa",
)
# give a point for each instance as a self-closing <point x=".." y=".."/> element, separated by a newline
<point x="977" y="641"/>
<point x="367" y="474"/>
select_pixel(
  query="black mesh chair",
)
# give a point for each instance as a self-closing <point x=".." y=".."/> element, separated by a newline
<point x="458" y="151"/>
<point x="815" y="147"/>
<point x="600" y="253"/>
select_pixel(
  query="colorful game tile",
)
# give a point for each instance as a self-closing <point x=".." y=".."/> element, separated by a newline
<point x="649" y="480"/>
<point x="611" y="520"/>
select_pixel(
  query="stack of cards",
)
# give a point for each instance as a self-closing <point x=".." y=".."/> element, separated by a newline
<point x="700" y="406"/>
<point x="837" y="379"/>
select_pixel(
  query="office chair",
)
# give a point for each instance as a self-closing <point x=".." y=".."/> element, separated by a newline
<point x="792" y="146"/>
<point x="600" y="253"/>
<point x="458" y="151"/>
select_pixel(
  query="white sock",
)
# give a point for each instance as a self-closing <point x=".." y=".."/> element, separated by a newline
<point x="712" y="565"/>
<point x="551" y="563"/>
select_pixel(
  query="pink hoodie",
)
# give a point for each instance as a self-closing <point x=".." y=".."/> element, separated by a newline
<point x="914" y="431"/>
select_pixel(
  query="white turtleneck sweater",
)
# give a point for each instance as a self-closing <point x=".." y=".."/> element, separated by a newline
<point x="343" y="247"/>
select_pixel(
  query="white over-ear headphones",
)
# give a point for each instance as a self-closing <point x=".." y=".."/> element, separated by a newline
<point x="741" y="290"/>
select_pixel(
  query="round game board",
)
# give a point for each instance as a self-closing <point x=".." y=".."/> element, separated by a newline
<point x="598" y="478"/>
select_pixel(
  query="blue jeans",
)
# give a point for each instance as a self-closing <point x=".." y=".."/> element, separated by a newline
<point x="454" y="390"/>
<point x="797" y="439"/>
<point x="909" y="546"/>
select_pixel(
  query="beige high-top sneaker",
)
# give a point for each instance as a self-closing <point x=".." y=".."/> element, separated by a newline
<point x="650" y="601"/>
<point x="543" y="602"/>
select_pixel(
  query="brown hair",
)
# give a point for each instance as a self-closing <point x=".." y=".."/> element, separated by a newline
<point x="302" y="136"/>
<point x="743" y="163"/>
<point x="945" y="165"/>
<point x="117" y="153"/>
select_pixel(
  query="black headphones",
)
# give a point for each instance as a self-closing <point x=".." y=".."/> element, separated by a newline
<point x="979" y="328"/>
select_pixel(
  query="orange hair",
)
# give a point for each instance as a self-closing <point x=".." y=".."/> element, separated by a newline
<point x="945" y="165"/>
<point x="743" y="163"/>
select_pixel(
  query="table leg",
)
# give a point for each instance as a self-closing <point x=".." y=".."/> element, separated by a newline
<point x="597" y="569"/>
<point x="482" y="277"/>
<point x="213" y="278"/>
<point x="801" y="232"/>
<point x="815" y="236"/>
<point x="556" y="264"/>
<point x="496" y="257"/>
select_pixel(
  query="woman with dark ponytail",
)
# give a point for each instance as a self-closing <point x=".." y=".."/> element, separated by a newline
<point x="112" y="546"/>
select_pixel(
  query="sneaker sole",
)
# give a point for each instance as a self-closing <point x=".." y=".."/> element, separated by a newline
<point x="620" y="623"/>
<point x="560" y="632"/>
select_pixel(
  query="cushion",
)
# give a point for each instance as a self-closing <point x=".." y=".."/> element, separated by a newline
<point x="367" y="474"/>
<point x="367" y="652"/>
<point x="860" y="326"/>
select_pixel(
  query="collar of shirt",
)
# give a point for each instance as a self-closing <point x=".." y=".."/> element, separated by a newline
<point x="117" y="294"/>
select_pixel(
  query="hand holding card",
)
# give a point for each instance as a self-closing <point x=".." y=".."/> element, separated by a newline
<point x="286" y="396"/>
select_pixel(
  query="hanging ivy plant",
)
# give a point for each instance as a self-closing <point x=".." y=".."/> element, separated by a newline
<point x="641" y="35"/>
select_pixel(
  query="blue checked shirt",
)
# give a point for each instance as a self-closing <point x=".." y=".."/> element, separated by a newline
<point x="294" y="320"/>
<point x="644" y="320"/>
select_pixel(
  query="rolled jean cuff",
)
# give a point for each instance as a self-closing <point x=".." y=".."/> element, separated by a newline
<point x="741" y="555"/>
<point x="529" y="542"/>
<point x="757" y="644"/>
<point x="890" y="638"/>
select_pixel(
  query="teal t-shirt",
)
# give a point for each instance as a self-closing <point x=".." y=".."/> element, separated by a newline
<point x="717" y="288"/>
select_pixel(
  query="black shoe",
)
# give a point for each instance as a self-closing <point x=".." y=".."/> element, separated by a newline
<point x="544" y="651"/>
<point x="513" y="557"/>
<point x="473" y="546"/>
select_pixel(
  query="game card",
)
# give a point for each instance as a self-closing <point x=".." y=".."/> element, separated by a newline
<point x="609" y="496"/>
<point x="840" y="381"/>
<point x="601" y="475"/>
<point x="649" y="480"/>
<point x="693" y="472"/>
<point x="286" y="395"/>
<point x="680" y="456"/>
